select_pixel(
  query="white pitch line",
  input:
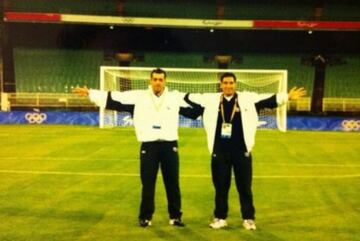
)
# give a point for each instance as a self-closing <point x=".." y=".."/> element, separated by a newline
<point x="182" y="176"/>
<point x="309" y="164"/>
<point x="69" y="173"/>
<point x="135" y="159"/>
<point x="308" y="176"/>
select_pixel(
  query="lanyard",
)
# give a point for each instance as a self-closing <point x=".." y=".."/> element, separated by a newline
<point x="222" y="109"/>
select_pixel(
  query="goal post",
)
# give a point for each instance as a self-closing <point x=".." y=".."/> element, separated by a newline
<point x="196" y="80"/>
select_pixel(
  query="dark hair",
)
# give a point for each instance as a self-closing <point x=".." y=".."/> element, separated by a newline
<point x="228" y="74"/>
<point x="157" y="71"/>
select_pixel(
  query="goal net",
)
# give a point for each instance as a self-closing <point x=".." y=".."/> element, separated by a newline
<point x="194" y="81"/>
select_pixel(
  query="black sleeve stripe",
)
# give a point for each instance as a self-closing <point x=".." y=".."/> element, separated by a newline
<point x="192" y="112"/>
<point x="266" y="103"/>
<point x="117" y="106"/>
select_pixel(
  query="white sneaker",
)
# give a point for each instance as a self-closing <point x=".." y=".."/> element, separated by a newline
<point x="218" y="223"/>
<point x="249" y="224"/>
<point x="176" y="222"/>
<point x="144" y="223"/>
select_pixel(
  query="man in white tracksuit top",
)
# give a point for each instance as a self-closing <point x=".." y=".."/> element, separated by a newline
<point x="156" y="120"/>
<point x="230" y="119"/>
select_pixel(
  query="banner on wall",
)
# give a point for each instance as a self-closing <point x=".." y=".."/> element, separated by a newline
<point x="124" y="119"/>
<point x="49" y="117"/>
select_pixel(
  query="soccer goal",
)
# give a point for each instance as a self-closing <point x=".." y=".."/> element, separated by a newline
<point x="196" y="81"/>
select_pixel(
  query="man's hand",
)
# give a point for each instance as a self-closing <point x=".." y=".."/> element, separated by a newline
<point x="296" y="93"/>
<point x="82" y="91"/>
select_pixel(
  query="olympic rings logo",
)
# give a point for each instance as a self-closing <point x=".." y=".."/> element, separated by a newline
<point x="128" y="20"/>
<point x="351" y="125"/>
<point x="35" y="118"/>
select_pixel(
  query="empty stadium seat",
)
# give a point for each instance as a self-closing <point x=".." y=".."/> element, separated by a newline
<point x="343" y="80"/>
<point x="298" y="74"/>
<point x="55" y="70"/>
<point x="58" y="70"/>
<point x="193" y="9"/>
<point x="169" y="59"/>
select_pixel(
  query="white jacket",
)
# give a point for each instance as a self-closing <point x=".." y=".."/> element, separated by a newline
<point x="249" y="116"/>
<point x="155" y="118"/>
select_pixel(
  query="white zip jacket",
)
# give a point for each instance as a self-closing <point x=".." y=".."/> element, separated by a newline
<point x="155" y="118"/>
<point x="249" y="116"/>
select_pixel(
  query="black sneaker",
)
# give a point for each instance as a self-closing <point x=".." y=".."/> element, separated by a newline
<point x="144" y="223"/>
<point x="176" y="222"/>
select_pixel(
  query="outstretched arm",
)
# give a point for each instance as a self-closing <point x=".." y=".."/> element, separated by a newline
<point x="81" y="91"/>
<point x="279" y="99"/>
<point x="296" y="93"/>
<point x="111" y="104"/>
<point x="118" y="106"/>
<point x="266" y="103"/>
<point x="101" y="97"/>
<point x="193" y="111"/>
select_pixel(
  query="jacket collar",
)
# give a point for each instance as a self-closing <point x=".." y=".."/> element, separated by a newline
<point x="152" y="92"/>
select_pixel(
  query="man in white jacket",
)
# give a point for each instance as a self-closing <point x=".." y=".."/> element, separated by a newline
<point x="156" y="117"/>
<point x="230" y="119"/>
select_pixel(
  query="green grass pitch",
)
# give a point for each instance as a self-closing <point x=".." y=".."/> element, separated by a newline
<point x="82" y="183"/>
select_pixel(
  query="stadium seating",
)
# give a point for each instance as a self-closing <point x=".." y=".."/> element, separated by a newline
<point x="51" y="70"/>
<point x="54" y="70"/>
<point x="171" y="9"/>
<point x="168" y="59"/>
<point x="194" y="9"/>
<point x="298" y="75"/>
<point x="65" y="6"/>
<point x="343" y="80"/>
<point x="336" y="11"/>
<point x="237" y="10"/>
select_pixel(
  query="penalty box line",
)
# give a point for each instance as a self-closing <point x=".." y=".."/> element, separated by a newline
<point x="135" y="159"/>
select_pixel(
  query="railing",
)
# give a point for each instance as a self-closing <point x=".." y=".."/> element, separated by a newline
<point x="67" y="100"/>
<point x="38" y="100"/>
<point x="329" y="105"/>
<point x="303" y="104"/>
<point x="341" y="104"/>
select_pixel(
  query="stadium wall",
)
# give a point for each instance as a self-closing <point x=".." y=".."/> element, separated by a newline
<point x="92" y="119"/>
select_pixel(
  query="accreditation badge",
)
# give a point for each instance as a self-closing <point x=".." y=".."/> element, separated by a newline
<point x="156" y="126"/>
<point x="226" y="130"/>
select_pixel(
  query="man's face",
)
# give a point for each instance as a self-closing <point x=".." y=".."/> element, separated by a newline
<point x="157" y="82"/>
<point x="228" y="86"/>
